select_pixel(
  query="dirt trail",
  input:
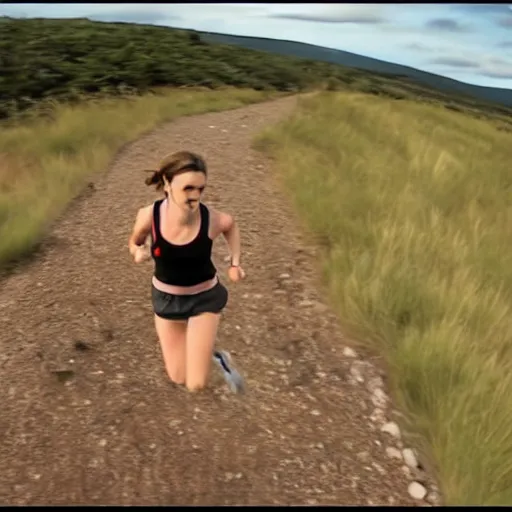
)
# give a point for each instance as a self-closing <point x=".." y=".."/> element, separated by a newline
<point x="87" y="414"/>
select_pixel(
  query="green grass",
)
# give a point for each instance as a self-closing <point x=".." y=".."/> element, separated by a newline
<point x="46" y="162"/>
<point x="413" y="205"/>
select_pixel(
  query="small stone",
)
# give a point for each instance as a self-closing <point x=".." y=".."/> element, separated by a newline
<point x="393" y="453"/>
<point x="379" y="468"/>
<point x="417" y="491"/>
<point x="409" y="458"/>
<point x="356" y="373"/>
<point x="348" y="352"/>
<point x="284" y="276"/>
<point x="315" y="412"/>
<point x="379" y="398"/>
<point x="103" y="442"/>
<point x="378" y="416"/>
<point x="391" y="428"/>
<point x="305" y="304"/>
<point x="434" y="498"/>
<point x="374" y="383"/>
<point x="363" y="456"/>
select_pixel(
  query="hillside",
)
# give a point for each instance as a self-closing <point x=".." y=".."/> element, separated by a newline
<point x="48" y="59"/>
<point x="352" y="60"/>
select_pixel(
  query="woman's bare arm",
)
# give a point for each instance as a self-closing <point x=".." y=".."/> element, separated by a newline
<point x="224" y="223"/>
<point x="141" y="229"/>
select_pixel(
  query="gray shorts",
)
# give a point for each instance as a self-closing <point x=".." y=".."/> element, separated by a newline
<point x="182" y="307"/>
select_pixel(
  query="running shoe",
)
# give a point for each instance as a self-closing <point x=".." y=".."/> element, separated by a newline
<point x="231" y="375"/>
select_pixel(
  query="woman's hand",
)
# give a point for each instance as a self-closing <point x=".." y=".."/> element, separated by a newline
<point x="236" y="274"/>
<point x="142" y="254"/>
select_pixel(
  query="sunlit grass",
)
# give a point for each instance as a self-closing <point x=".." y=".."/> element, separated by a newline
<point x="414" y="206"/>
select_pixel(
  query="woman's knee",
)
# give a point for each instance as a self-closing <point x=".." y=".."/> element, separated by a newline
<point x="197" y="384"/>
<point x="176" y="375"/>
<point x="172" y="337"/>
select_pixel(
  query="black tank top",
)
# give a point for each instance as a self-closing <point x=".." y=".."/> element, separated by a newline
<point x="183" y="265"/>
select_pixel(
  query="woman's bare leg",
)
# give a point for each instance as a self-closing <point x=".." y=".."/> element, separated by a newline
<point x="172" y="336"/>
<point x="201" y="334"/>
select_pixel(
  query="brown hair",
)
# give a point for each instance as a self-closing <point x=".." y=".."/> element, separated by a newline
<point x="174" y="164"/>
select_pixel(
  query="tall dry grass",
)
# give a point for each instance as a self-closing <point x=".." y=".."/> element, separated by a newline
<point x="44" y="162"/>
<point x="414" y="206"/>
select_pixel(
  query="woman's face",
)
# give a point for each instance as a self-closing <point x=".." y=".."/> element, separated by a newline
<point x="186" y="189"/>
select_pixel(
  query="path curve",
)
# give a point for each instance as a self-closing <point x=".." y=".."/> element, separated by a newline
<point x="116" y="431"/>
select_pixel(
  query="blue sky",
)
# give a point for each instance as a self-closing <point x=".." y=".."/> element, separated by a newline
<point x="468" y="42"/>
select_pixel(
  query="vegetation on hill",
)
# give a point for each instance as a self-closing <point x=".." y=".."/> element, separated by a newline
<point x="494" y="95"/>
<point x="63" y="59"/>
<point x="413" y="206"/>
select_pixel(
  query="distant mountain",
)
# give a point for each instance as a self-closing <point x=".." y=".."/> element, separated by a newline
<point x="309" y="51"/>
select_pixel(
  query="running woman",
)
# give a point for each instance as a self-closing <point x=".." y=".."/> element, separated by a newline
<point x="187" y="296"/>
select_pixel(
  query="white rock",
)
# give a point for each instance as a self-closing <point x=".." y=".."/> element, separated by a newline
<point x="379" y="468"/>
<point x="356" y="373"/>
<point x="417" y="491"/>
<point x="284" y="276"/>
<point x="393" y="453"/>
<point x="374" y="383"/>
<point x="348" y="352"/>
<point x="410" y="458"/>
<point x="378" y="416"/>
<point x="391" y="428"/>
<point x="379" y="398"/>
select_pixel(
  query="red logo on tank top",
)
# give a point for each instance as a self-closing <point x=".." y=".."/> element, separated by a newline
<point x="157" y="251"/>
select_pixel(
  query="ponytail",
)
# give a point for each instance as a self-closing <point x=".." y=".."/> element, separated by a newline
<point x="156" y="178"/>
